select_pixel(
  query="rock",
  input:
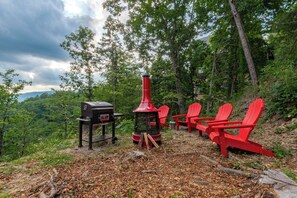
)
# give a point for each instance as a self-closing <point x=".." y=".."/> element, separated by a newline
<point x="135" y="155"/>
<point x="282" y="184"/>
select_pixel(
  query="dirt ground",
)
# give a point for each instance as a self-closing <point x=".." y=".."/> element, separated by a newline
<point x="185" y="165"/>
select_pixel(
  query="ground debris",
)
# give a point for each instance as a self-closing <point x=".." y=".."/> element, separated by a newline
<point x="176" y="169"/>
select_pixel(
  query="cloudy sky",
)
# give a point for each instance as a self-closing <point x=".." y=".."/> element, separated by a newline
<point x="31" y="31"/>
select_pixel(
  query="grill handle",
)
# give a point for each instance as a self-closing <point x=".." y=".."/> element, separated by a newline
<point x="102" y="108"/>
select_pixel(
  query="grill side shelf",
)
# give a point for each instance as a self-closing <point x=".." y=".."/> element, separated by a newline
<point x="83" y="119"/>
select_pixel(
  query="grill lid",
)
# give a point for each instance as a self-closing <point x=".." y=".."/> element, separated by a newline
<point x="96" y="105"/>
<point x="146" y="104"/>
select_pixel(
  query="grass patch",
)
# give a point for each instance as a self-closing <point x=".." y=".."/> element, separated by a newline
<point x="123" y="144"/>
<point x="49" y="156"/>
<point x="290" y="174"/>
<point x="57" y="160"/>
<point x="280" y="151"/>
<point x="4" y="195"/>
<point x="287" y="128"/>
<point x="257" y="164"/>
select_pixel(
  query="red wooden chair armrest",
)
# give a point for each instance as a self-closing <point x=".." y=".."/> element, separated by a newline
<point x="204" y="118"/>
<point x="224" y="123"/>
<point x="179" y="115"/>
<point x="216" y="121"/>
<point x="234" y="127"/>
<point x="193" y="116"/>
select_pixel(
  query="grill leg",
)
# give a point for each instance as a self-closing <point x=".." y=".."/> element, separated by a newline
<point x="90" y="136"/>
<point x="80" y="134"/>
<point x="113" y="132"/>
<point x="103" y="131"/>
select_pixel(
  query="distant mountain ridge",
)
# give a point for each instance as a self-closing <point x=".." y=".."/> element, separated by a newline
<point x="25" y="96"/>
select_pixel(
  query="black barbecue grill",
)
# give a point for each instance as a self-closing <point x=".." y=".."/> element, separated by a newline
<point x="97" y="113"/>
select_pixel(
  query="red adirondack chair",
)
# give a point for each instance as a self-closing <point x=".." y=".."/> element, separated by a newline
<point x="240" y="141"/>
<point x="193" y="112"/>
<point x="163" y="114"/>
<point x="223" y="115"/>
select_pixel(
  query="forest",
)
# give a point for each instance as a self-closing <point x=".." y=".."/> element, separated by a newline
<point x="208" y="51"/>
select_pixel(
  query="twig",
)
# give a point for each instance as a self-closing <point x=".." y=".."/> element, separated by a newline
<point x="228" y="170"/>
<point x="51" y="184"/>
<point x="210" y="160"/>
<point x="234" y="172"/>
<point x="149" y="171"/>
<point x="184" y="153"/>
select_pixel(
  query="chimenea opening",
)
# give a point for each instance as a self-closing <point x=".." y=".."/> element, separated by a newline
<point x="145" y="115"/>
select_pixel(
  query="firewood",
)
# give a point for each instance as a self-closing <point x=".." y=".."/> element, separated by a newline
<point x="146" y="141"/>
<point x="140" y="141"/>
<point x="153" y="141"/>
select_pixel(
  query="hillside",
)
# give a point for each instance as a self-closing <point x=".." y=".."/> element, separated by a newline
<point x="25" y="96"/>
<point x="185" y="165"/>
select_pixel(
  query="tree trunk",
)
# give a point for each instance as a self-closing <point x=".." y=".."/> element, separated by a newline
<point x="2" y="134"/>
<point x="244" y="42"/>
<point x="114" y="68"/>
<point x="178" y="84"/>
<point x="214" y="62"/>
<point x="1" y="141"/>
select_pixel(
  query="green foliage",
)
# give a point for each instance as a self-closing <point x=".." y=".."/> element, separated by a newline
<point x="279" y="87"/>
<point x="164" y="34"/>
<point x="80" y="46"/>
<point x="290" y="174"/>
<point x="280" y="151"/>
<point x="285" y="36"/>
<point x="9" y="90"/>
<point x="48" y="152"/>
<point x="57" y="160"/>
<point x="290" y="127"/>
<point x="125" y="127"/>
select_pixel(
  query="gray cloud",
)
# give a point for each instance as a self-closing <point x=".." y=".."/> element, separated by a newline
<point x="30" y="34"/>
<point x="35" y="27"/>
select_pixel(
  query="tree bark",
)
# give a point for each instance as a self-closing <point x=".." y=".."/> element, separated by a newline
<point x="244" y="42"/>
<point x="178" y="84"/>
<point x="214" y="62"/>
<point x="1" y="141"/>
<point x="2" y="129"/>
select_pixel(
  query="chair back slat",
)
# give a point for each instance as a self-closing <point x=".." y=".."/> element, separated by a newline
<point x="163" y="113"/>
<point x="252" y="116"/>
<point x="194" y="110"/>
<point x="224" y="112"/>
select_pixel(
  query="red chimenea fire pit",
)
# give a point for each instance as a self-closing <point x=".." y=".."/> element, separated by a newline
<point x="145" y="114"/>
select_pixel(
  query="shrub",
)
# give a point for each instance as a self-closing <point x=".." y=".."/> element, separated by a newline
<point x="279" y="88"/>
<point x="280" y="151"/>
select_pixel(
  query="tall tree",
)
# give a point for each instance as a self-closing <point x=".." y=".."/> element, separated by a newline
<point x="8" y="97"/>
<point x="244" y="42"/>
<point x="111" y="50"/>
<point x="165" y="27"/>
<point x="81" y="47"/>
